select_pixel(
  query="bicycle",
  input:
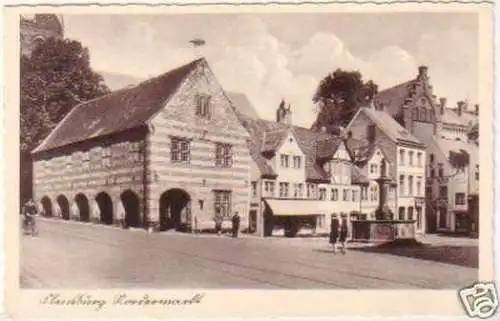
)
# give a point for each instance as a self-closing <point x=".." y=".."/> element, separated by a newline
<point x="29" y="226"/>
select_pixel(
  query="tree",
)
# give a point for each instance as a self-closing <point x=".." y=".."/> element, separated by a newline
<point x="473" y="133"/>
<point x="339" y="96"/>
<point x="54" y="78"/>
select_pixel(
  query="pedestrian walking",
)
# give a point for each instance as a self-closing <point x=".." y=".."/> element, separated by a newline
<point x="343" y="235"/>
<point x="334" y="231"/>
<point x="236" y="224"/>
<point x="218" y="224"/>
<point x="195" y="223"/>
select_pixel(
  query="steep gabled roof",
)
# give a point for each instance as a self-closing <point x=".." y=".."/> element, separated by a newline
<point x="393" y="98"/>
<point x="389" y="126"/>
<point x="243" y="104"/>
<point x="118" y="111"/>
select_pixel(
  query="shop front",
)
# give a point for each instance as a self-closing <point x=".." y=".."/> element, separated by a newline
<point x="291" y="218"/>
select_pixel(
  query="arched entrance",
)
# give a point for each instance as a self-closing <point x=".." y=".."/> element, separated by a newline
<point x="46" y="206"/>
<point x="131" y="205"/>
<point x="175" y="210"/>
<point x="105" y="208"/>
<point x="63" y="203"/>
<point x="83" y="207"/>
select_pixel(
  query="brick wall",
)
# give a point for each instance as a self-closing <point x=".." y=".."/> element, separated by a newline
<point x="77" y="182"/>
<point x="199" y="177"/>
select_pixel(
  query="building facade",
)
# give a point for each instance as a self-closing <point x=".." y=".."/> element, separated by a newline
<point x="168" y="153"/>
<point x="405" y="156"/>
<point x="299" y="177"/>
<point x="33" y="30"/>
<point x="443" y="130"/>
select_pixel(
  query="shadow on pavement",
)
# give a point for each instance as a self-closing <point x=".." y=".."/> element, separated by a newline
<point x="458" y="255"/>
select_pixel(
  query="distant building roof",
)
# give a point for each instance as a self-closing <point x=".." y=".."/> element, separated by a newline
<point x="393" y="98"/>
<point x="118" y="111"/>
<point x="389" y="126"/>
<point x="268" y="136"/>
<point x="243" y="104"/>
<point x="447" y="145"/>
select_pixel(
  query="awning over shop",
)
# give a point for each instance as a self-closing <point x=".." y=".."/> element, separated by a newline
<point x="294" y="207"/>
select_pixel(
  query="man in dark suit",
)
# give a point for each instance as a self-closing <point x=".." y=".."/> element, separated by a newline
<point x="334" y="231"/>
<point x="236" y="224"/>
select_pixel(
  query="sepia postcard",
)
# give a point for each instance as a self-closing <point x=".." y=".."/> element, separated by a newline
<point x="249" y="160"/>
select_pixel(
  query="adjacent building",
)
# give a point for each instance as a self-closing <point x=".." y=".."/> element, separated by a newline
<point x="35" y="29"/>
<point x="451" y="194"/>
<point x="168" y="153"/>
<point x="299" y="177"/>
<point x="405" y="155"/>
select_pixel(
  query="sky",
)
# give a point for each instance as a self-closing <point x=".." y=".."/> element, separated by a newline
<point x="273" y="56"/>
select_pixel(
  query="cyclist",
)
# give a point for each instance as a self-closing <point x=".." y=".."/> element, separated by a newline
<point x="29" y="211"/>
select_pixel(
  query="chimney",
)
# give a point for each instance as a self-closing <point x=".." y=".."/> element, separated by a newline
<point x="442" y="104"/>
<point x="460" y="107"/>
<point x="476" y="109"/>
<point x="281" y="112"/>
<point x="422" y="71"/>
<point x="288" y="117"/>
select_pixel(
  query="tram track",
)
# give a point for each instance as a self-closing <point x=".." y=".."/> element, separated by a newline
<point x="197" y="260"/>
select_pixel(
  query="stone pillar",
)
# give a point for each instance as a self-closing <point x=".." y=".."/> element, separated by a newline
<point x="95" y="211"/>
<point x="382" y="212"/>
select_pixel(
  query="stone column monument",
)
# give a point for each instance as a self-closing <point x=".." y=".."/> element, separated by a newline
<point x="382" y="212"/>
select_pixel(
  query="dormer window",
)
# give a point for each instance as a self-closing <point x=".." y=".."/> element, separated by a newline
<point x="203" y="106"/>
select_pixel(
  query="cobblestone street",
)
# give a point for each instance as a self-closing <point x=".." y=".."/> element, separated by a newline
<point x="78" y="255"/>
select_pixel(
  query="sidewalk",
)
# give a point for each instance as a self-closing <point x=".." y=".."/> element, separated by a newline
<point x="311" y="241"/>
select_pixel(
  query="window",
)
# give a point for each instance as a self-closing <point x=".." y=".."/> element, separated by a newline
<point x="179" y="150"/>
<point x="373" y="169"/>
<point x="401" y="157"/>
<point x="419" y="186"/>
<point x="335" y="194"/>
<point x="311" y="191"/>
<point x="419" y="218"/>
<point x="284" y="161"/>
<point x="477" y="175"/>
<point x="431" y="158"/>
<point x="223" y="155"/>
<point x="410" y="185"/>
<point x="370" y="134"/>
<point x="441" y="172"/>
<point x="322" y="194"/>
<point x="419" y="159"/>
<point x="460" y="199"/>
<point x="401" y="213"/>
<point x="364" y="193"/>
<point x="428" y="191"/>
<point x="254" y="188"/>
<point x="284" y="189"/>
<point x="374" y="193"/>
<point x="410" y="213"/>
<point x="354" y="195"/>
<point x="345" y="195"/>
<point x="203" y="106"/>
<point x="297" y="190"/>
<point x="410" y="158"/>
<point x="433" y="173"/>
<point x="106" y="157"/>
<point x="401" y="184"/>
<point x="297" y="161"/>
<point x="443" y="192"/>
<point x="269" y="188"/>
<point x="320" y="223"/>
<point x="222" y="203"/>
